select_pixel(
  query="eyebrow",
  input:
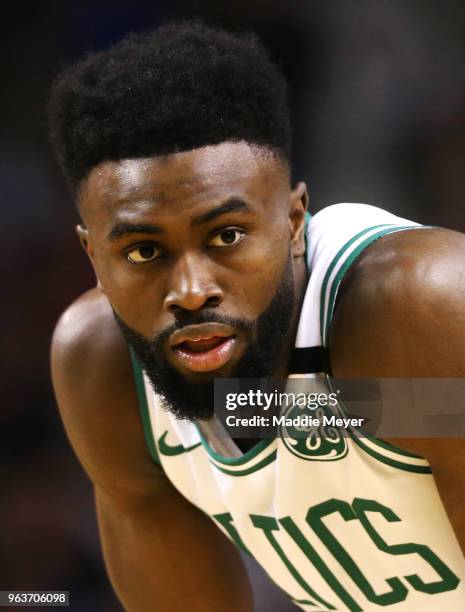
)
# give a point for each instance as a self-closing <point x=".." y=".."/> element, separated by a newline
<point x="231" y="205"/>
<point x="122" y="229"/>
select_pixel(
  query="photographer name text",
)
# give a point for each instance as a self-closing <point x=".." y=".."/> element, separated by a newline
<point x="299" y="421"/>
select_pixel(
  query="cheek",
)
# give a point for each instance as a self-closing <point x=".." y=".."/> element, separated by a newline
<point x="133" y="292"/>
<point x="255" y="282"/>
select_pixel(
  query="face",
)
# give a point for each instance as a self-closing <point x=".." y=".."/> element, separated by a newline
<point x="200" y="255"/>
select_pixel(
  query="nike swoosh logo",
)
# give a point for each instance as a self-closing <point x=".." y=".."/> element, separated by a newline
<point x="171" y="451"/>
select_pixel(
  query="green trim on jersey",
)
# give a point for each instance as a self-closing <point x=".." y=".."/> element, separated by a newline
<point x="144" y="409"/>
<point x="253" y="468"/>
<point x="408" y="467"/>
<point x="390" y="447"/>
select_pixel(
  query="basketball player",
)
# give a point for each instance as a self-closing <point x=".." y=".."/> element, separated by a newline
<point x="176" y="146"/>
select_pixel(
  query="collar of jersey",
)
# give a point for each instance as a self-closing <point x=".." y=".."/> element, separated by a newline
<point x="246" y="457"/>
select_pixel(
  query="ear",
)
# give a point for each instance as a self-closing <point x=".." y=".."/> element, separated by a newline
<point x="83" y="234"/>
<point x="298" y="202"/>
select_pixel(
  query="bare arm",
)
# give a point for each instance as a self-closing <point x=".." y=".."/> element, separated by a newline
<point x="161" y="552"/>
<point x="401" y="314"/>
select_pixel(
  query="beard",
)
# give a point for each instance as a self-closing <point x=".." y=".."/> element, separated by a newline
<point x="195" y="400"/>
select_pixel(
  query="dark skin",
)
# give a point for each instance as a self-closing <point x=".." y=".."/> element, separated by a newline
<point x="189" y="267"/>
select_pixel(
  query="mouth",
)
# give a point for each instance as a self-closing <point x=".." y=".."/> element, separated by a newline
<point x="203" y="348"/>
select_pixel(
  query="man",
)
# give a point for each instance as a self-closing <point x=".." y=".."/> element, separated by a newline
<point x="176" y="145"/>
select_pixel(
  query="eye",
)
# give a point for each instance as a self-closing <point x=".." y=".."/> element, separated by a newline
<point x="227" y="237"/>
<point x="142" y="254"/>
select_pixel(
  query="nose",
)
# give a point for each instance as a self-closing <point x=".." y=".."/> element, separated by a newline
<point x="192" y="286"/>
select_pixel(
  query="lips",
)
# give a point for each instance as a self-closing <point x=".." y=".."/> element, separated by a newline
<point x="201" y="345"/>
<point x="205" y="347"/>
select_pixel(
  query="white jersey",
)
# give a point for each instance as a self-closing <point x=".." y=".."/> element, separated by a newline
<point x="353" y="525"/>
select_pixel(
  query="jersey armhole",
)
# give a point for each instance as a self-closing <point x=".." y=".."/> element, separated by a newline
<point x="144" y="408"/>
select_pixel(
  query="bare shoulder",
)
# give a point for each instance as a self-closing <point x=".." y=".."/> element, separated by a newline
<point x="87" y="329"/>
<point x="96" y="395"/>
<point x="401" y="309"/>
<point x="89" y="356"/>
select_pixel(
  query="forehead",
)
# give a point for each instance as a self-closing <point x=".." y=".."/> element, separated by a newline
<point x="207" y="175"/>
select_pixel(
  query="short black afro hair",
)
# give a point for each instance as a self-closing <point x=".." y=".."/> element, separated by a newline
<point x="179" y="87"/>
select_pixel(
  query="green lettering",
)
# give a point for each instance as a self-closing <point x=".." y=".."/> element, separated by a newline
<point x="226" y="521"/>
<point x="268" y="525"/>
<point x="398" y="591"/>
<point x="319" y="564"/>
<point x="449" y="580"/>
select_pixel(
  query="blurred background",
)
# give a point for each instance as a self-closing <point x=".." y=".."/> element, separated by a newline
<point x="377" y="95"/>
